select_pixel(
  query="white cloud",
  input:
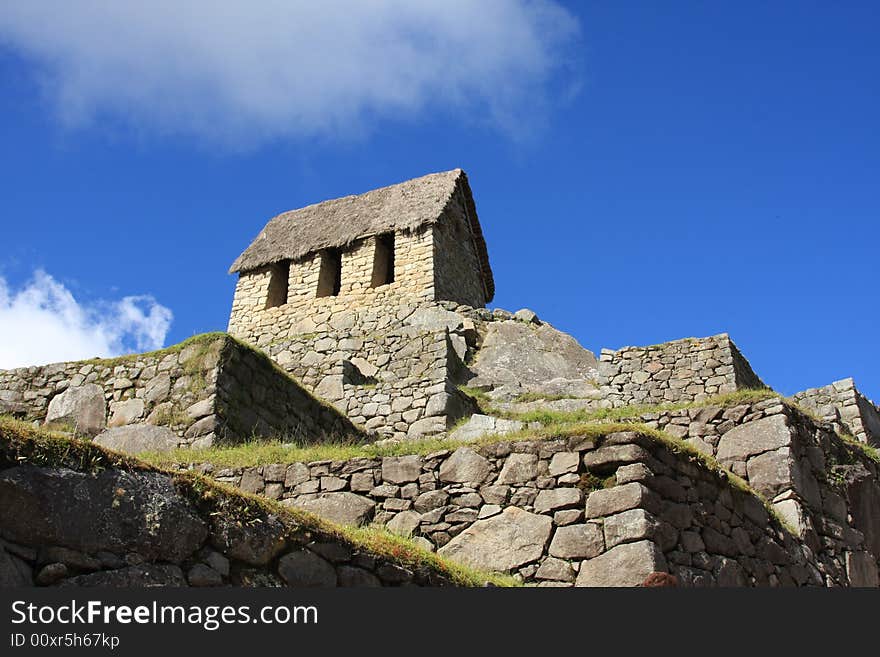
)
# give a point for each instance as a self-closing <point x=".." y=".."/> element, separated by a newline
<point x="247" y="71"/>
<point x="43" y="323"/>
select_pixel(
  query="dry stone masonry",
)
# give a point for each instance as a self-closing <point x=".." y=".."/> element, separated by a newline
<point x="684" y="370"/>
<point x="212" y="390"/>
<point x="608" y="511"/>
<point x="842" y="404"/>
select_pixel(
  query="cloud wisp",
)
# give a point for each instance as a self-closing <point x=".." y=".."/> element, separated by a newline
<point x="247" y="72"/>
<point x="43" y="323"/>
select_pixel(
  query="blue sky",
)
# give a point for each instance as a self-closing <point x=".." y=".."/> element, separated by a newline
<point x="642" y="172"/>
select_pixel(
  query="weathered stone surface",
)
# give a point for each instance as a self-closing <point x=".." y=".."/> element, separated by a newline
<point x="201" y="408"/>
<point x="331" y="387"/>
<point x="218" y="562"/>
<point x="614" y="455"/>
<point x="525" y="355"/>
<point x="771" y="472"/>
<point x="254" y="543"/>
<point x="126" y="412"/>
<point x="557" y="498"/>
<point x="203" y="575"/>
<point x="401" y="469"/>
<point x="111" y="510"/>
<point x="608" y="501"/>
<point x="405" y="523"/>
<point x="754" y="438"/>
<point x="426" y="426"/>
<point x="306" y="569"/>
<point x="527" y="316"/>
<point x="556" y="570"/>
<point x="136" y="438"/>
<point x="352" y="577"/>
<point x="519" y="468"/>
<point x="344" y="508"/>
<point x="583" y="541"/>
<point x="432" y="318"/>
<point x="366" y="368"/>
<point x="564" y="462"/>
<point x="144" y="575"/>
<point x="82" y="407"/>
<point x="625" y="565"/>
<point x="464" y="466"/>
<point x="51" y="573"/>
<point x="157" y="389"/>
<point x="13" y="571"/>
<point x="430" y="500"/>
<point x="503" y="542"/>
<point x="629" y="526"/>
<point x="297" y="473"/>
<point x="861" y="569"/>
<point x="479" y="426"/>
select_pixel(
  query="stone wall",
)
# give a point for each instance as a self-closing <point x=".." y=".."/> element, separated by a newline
<point x="609" y="511"/>
<point x="413" y="284"/>
<point x="683" y="370"/>
<point x="824" y="488"/>
<point x="842" y="404"/>
<point x="397" y="384"/>
<point x="194" y="536"/>
<point x="457" y="274"/>
<point x="209" y="389"/>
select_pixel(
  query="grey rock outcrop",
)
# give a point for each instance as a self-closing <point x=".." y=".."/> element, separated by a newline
<point x="527" y="356"/>
<point x="112" y="510"/>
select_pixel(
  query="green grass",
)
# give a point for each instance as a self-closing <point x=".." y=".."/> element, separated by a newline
<point x="201" y="339"/>
<point x="553" y="424"/>
<point x="480" y="397"/>
<point x="869" y="451"/>
<point x="528" y="397"/>
<point x="548" y="417"/>
<point x="22" y="443"/>
<point x="259" y="453"/>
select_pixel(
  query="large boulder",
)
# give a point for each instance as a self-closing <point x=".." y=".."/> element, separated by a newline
<point x="343" y="508"/>
<point x="112" y="510"/>
<point x="528" y="356"/>
<point x="82" y="407"/>
<point x="137" y="438"/>
<point x="503" y="542"/>
<point x="625" y="565"/>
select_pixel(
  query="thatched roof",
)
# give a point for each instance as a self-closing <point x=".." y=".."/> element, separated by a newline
<point x="338" y="223"/>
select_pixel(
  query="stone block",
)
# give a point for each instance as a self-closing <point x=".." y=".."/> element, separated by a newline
<point x="625" y="565"/>
<point x="583" y="541"/>
<point x="608" y="501"/>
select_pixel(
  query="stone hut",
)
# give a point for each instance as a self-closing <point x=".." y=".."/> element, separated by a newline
<point x="413" y="243"/>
